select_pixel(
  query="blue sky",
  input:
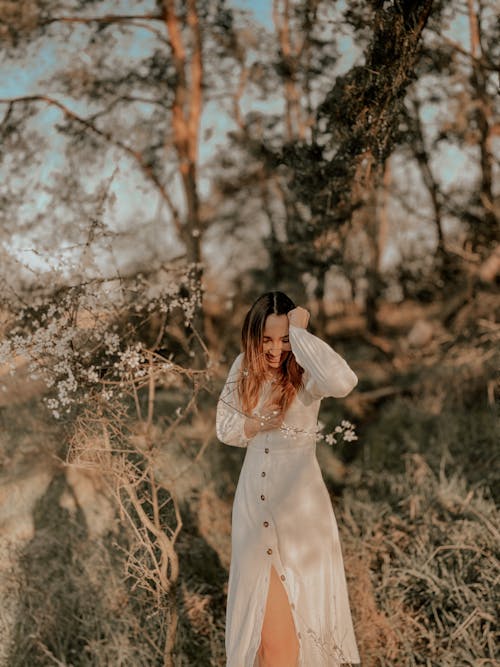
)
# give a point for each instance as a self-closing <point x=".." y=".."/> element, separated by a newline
<point x="261" y="9"/>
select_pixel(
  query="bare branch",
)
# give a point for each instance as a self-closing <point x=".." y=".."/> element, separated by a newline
<point x="106" y="18"/>
<point x="480" y="60"/>
<point x="108" y="137"/>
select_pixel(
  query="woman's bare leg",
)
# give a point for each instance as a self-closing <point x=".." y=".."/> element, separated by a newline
<point x="279" y="646"/>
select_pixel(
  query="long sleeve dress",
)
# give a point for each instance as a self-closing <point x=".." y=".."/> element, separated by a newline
<point x="282" y="515"/>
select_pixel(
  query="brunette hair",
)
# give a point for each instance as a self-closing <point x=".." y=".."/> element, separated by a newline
<point x="253" y="366"/>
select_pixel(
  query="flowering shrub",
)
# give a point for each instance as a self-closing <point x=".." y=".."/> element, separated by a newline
<point x="90" y="338"/>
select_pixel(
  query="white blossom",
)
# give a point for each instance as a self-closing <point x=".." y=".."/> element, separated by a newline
<point x="71" y="358"/>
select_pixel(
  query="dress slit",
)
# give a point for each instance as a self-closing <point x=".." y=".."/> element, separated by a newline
<point x="256" y="661"/>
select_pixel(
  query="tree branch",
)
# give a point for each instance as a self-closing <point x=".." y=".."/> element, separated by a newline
<point x="108" y="137"/>
<point x="107" y="18"/>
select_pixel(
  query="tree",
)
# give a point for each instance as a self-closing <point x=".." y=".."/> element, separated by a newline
<point x="144" y="111"/>
<point x="463" y="126"/>
<point x="290" y="70"/>
<point x="325" y="162"/>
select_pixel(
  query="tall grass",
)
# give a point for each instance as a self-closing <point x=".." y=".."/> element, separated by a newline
<point x="431" y="545"/>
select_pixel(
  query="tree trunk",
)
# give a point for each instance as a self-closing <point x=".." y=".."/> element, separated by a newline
<point x="186" y="115"/>
<point x="487" y="231"/>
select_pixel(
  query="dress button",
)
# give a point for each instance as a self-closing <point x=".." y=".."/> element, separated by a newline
<point x="263" y="497"/>
<point x="299" y="635"/>
<point x="263" y="474"/>
<point x="266" y="450"/>
<point x="266" y="523"/>
<point x="292" y="606"/>
<point x="269" y="551"/>
<point x="282" y="577"/>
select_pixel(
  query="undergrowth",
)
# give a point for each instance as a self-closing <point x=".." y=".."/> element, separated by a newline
<point x="419" y="535"/>
<point x="428" y="547"/>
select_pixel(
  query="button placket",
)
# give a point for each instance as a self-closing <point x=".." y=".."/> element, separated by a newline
<point x="265" y="523"/>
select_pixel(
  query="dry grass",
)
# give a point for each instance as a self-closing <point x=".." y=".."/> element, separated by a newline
<point x="433" y="550"/>
<point x="378" y="642"/>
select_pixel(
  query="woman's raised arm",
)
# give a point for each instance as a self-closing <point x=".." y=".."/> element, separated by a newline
<point x="326" y="372"/>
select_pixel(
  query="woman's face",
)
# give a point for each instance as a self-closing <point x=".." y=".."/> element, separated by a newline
<point x="276" y="345"/>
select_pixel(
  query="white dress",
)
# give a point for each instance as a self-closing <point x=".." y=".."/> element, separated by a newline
<point x="282" y="515"/>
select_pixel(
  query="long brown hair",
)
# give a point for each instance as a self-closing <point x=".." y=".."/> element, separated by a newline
<point x="253" y="367"/>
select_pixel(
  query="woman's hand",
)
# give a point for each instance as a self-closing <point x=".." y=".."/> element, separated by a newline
<point x="269" y="418"/>
<point x="299" y="317"/>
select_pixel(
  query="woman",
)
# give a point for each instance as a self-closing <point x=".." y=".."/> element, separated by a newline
<point x="287" y="602"/>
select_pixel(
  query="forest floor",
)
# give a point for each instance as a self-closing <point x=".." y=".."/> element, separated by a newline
<point x="416" y="500"/>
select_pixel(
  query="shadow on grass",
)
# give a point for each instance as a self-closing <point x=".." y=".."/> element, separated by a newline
<point x="52" y="604"/>
<point x="202" y="603"/>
